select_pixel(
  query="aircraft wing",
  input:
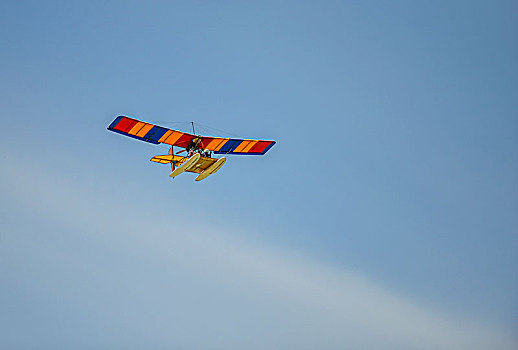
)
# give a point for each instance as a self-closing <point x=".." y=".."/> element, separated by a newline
<point x="156" y="134"/>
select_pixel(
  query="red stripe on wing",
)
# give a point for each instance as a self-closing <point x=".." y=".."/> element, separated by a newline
<point x="125" y="124"/>
<point x="259" y="147"/>
<point x="205" y="141"/>
<point x="184" y="140"/>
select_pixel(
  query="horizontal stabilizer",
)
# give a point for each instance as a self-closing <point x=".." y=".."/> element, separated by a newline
<point x="167" y="158"/>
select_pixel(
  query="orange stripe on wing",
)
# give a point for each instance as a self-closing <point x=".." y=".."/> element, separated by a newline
<point x="214" y="144"/>
<point x="165" y="136"/>
<point x="249" y="146"/>
<point x="142" y="132"/>
<point x="135" y="129"/>
<point x="172" y="138"/>
<point x="223" y="141"/>
<point x="242" y="146"/>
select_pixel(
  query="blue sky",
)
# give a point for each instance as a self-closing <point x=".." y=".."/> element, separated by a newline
<point x="385" y="216"/>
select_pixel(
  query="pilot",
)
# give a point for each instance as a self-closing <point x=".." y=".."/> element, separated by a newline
<point x="190" y="149"/>
<point x="193" y="147"/>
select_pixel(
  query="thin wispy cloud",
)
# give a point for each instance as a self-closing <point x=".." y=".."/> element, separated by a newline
<point x="287" y="300"/>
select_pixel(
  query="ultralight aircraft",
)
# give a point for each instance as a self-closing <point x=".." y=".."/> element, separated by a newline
<point x="200" y="149"/>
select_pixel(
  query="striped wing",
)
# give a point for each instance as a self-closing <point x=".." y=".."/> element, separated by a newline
<point x="156" y="134"/>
